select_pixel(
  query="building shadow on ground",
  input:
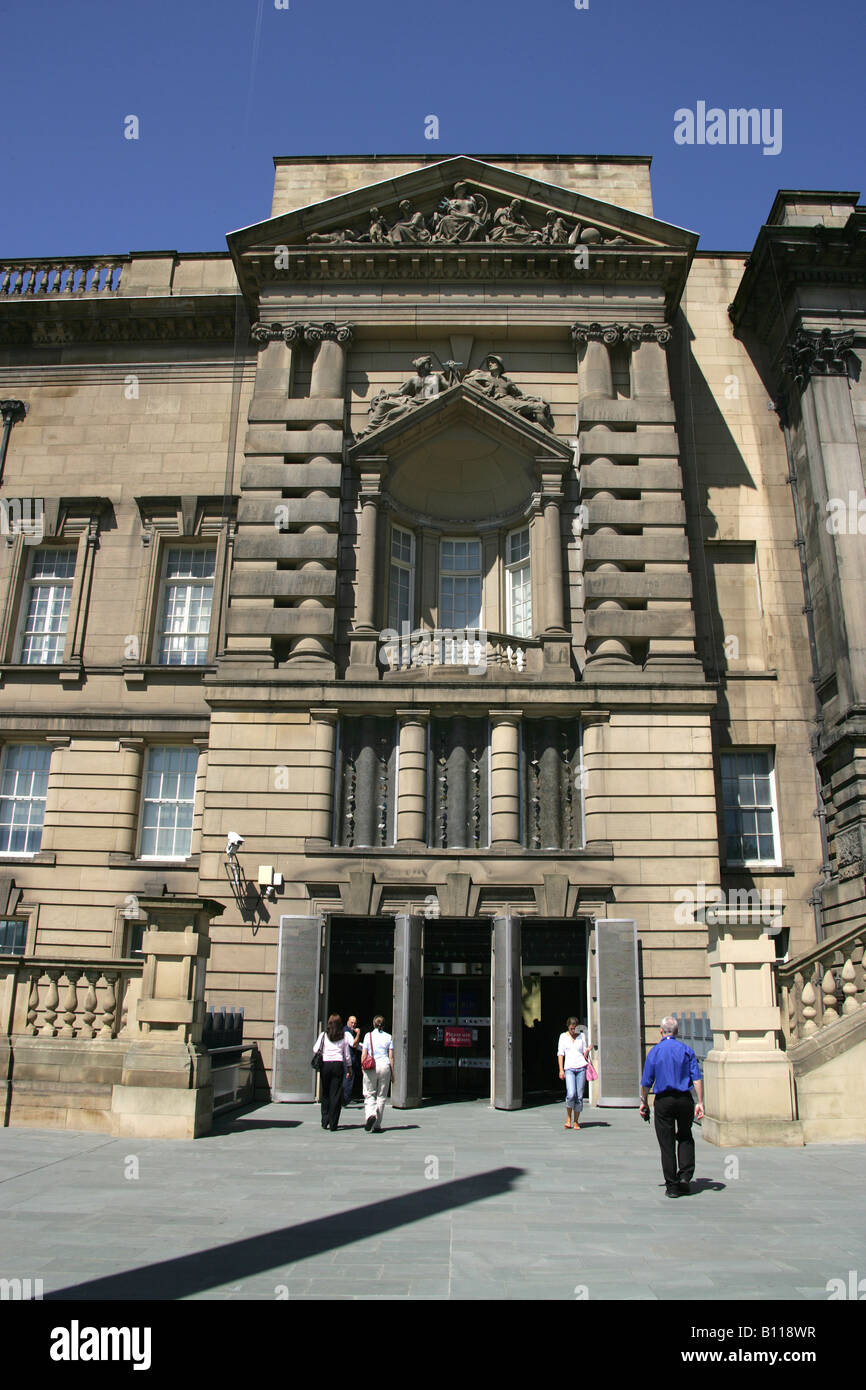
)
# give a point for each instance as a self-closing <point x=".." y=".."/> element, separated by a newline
<point x="196" y="1273"/>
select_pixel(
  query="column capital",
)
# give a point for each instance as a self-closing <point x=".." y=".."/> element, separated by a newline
<point x="325" y="713"/>
<point x="503" y="716"/>
<point x="419" y="716"/>
<point x="264" y="333"/>
<point x="341" y="333"/>
<point x="821" y="353"/>
<point x="614" y="333"/>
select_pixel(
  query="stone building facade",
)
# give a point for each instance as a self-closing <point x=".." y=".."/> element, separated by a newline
<point x="452" y="542"/>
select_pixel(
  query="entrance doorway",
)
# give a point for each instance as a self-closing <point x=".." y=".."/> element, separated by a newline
<point x="554" y="965"/>
<point x="457" y="1009"/>
<point x="361" y="972"/>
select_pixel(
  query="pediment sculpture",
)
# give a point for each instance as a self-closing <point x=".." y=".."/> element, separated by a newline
<point x="463" y="218"/>
<point x="489" y="380"/>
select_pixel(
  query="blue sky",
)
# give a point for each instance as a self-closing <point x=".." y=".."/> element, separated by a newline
<point x="221" y="86"/>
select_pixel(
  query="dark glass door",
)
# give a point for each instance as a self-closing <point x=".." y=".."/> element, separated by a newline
<point x="456" y="1022"/>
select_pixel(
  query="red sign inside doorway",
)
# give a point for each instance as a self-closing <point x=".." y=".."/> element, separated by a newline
<point x="458" y="1037"/>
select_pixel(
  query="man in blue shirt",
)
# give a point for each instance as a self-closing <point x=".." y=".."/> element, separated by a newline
<point x="673" y="1067"/>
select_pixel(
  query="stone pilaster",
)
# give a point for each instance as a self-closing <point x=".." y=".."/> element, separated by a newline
<point x="555" y="639"/>
<point x="322" y="762"/>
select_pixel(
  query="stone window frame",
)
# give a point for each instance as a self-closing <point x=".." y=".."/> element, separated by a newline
<point x="411" y="567"/>
<point x="26" y="856"/>
<point x="428" y="534"/>
<point x="762" y="864"/>
<point x="70" y="523"/>
<point x="29" y="586"/>
<point x="511" y="567"/>
<point x="168" y="521"/>
<point x="154" y="860"/>
<point x="167" y="545"/>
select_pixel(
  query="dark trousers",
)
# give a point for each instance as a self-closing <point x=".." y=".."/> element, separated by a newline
<point x="674" y="1112"/>
<point x="349" y="1083"/>
<point x="331" y="1084"/>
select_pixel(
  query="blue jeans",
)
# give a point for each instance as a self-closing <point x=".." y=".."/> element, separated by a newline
<point x="575" y="1085"/>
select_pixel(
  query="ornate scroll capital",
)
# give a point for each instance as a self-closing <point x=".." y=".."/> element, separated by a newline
<point x="613" y="333"/>
<point x="342" y="333"/>
<point x="819" y="354"/>
<point x="264" y="333"/>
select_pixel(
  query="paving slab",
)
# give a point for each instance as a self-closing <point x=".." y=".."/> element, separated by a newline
<point x="269" y="1207"/>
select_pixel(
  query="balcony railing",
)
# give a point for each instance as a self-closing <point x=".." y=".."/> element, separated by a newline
<point x="66" y="999"/>
<point x="51" y="279"/>
<point x="473" y="649"/>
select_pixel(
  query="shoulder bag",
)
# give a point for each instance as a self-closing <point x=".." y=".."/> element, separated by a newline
<point x="368" y="1063"/>
<point x="316" y="1063"/>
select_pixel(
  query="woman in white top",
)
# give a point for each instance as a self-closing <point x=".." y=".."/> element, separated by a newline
<point x="380" y="1046"/>
<point x="336" y="1067"/>
<point x="573" y="1054"/>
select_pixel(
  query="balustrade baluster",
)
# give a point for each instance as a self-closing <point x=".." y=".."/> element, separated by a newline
<point x="70" y="1004"/>
<point x="809" y="997"/>
<point x="33" y="1003"/>
<point x="828" y="990"/>
<point x="51" y="1001"/>
<point x="849" y="987"/>
<point x="90" y="1004"/>
<point x="109" y="1008"/>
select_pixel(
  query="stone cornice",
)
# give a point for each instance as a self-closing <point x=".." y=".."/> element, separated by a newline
<point x="118" y="320"/>
<point x="787" y="257"/>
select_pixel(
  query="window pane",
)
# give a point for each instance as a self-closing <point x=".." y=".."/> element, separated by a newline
<point x="22" y="804"/>
<point x="13" y="936"/>
<point x="47" y="596"/>
<point x="747" y="797"/>
<point x="186" y="606"/>
<point x="169" y="795"/>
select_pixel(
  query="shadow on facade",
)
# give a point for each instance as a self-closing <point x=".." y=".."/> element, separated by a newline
<point x="243" y="1259"/>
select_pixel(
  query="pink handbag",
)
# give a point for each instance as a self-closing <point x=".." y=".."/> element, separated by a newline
<point x="591" y="1073"/>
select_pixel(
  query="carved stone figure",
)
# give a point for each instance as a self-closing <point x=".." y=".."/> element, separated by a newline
<point x="378" y="227"/>
<point x="462" y="217"/>
<point x="410" y="228"/>
<point x="555" y="230"/>
<point x="388" y="406"/>
<point x="492" y="382"/>
<point x="336" y="238"/>
<point x="510" y="225"/>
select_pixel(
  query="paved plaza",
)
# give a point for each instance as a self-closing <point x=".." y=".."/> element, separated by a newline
<point x="451" y="1201"/>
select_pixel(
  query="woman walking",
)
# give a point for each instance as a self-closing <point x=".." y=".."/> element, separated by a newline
<point x="336" y="1067"/>
<point x="379" y="1046"/>
<point x="573" y="1054"/>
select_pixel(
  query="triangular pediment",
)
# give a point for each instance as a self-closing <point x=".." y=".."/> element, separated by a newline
<point x="370" y="218"/>
<point x="461" y="459"/>
<point x="464" y="407"/>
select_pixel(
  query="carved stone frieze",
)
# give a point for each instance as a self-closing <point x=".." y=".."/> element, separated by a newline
<point x="820" y="354"/>
<point x="614" y="333"/>
<point x="465" y="217"/>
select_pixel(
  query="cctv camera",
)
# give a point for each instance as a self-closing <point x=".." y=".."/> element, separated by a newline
<point x="234" y="842"/>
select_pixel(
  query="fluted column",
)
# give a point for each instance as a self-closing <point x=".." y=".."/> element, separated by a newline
<point x="323" y="754"/>
<point x="412" y="779"/>
<point x="505" y="776"/>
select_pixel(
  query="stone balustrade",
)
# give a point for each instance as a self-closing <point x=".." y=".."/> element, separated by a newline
<point x="823" y="986"/>
<point x="52" y="279"/>
<point x="475" y="648"/>
<point x="80" y="1000"/>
